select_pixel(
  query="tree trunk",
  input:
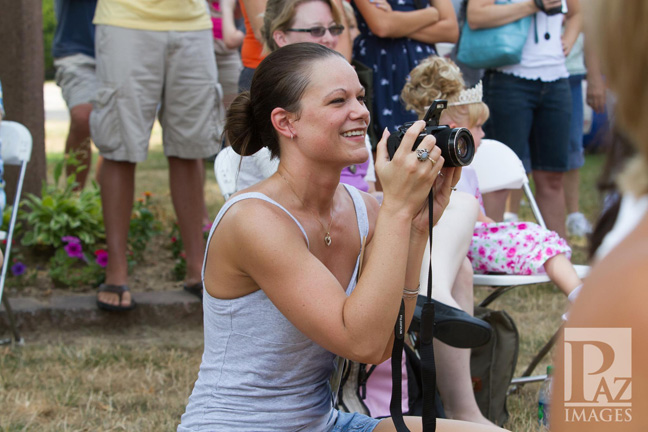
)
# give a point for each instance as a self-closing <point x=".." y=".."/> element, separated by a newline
<point x="22" y="75"/>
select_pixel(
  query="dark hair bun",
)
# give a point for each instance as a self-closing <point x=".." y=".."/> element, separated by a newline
<point x="239" y="124"/>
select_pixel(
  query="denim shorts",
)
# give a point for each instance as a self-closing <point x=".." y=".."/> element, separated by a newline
<point x="354" y="422"/>
<point x="532" y="117"/>
<point x="576" y="159"/>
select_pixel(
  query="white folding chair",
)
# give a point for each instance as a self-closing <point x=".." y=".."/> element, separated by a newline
<point x="225" y="168"/>
<point x="498" y="168"/>
<point x="16" y="150"/>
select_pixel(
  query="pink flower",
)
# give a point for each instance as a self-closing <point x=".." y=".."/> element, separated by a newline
<point x="510" y="253"/>
<point x="522" y="226"/>
<point x="529" y="237"/>
<point x="102" y="257"/>
<point x="494" y="229"/>
<point x="482" y="251"/>
<point x="550" y="251"/>
<point x="74" y="250"/>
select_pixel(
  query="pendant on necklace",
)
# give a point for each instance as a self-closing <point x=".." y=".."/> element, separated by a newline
<point x="327" y="239"/>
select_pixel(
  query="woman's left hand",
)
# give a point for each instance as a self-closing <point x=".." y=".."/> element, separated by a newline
<point x="443" y="187"/>
<point x="381" y="4"/>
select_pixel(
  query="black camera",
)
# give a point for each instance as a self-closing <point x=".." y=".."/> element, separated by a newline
<point x="553" y="11"/>
<point x="456" y="144"/>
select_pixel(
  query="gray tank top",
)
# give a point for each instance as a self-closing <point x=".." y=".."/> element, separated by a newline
<point x="258" y="372"/>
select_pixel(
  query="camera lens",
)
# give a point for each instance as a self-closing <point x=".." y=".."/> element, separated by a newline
<point x="462" y="147"/>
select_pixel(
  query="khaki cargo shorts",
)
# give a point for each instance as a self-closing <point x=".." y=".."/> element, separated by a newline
<point x="142" y="73"/>
<point x="76" y="75"/>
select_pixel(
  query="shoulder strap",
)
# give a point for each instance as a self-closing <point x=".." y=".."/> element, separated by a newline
<point x="360" y="209"/>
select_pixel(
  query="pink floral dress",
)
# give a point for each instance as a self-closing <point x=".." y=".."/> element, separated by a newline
<point x="509" y="247"/>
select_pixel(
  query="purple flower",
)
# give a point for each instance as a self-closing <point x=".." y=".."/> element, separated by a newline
<point x="102" y="258"/>
<point x="74" y="250"/>
<point x="18" y="269"/>
<point x="71" y="239"/>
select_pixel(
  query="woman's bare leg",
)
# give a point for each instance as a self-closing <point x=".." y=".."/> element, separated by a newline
<point x="451" y="240"/>
<point x="443" y="425"/>
<point x="453" y="364"/>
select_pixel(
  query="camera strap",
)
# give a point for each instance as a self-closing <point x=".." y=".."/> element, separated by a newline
<point x="426" y="351"/>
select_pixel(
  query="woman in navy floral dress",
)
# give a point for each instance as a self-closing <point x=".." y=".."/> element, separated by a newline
<point x="392" y="41"/>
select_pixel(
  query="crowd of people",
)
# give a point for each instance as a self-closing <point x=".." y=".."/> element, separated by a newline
<point x="327" y="235"/>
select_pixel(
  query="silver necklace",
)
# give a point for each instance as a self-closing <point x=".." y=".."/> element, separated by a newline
<point x="327" y="236"/>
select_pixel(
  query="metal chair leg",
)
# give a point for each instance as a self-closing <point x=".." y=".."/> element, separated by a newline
<point x="526" y="377"/>
<point x="12" y="322"/>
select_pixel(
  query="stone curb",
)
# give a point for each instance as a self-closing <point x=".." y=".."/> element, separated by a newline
<point x="156" y="308"/>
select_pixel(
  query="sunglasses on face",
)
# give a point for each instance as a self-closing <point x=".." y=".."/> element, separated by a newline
<point x="319" y="31"/>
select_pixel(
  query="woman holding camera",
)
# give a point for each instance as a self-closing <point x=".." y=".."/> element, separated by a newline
<point x="530" y="102"/>
<point x="281" y="298"/>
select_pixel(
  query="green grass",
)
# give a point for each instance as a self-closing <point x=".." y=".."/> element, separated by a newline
<point x="82" y="382"/>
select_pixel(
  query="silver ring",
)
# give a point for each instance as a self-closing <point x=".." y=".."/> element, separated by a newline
<point x="422" y="155"/>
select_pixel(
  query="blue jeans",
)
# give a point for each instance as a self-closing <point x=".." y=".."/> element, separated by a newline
<point x="576" y="159"/>
<point x="532" y="117"/>
<point x="354" y="422"/>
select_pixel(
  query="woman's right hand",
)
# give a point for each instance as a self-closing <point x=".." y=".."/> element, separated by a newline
<point x="406" y="180"/>
<point x="381" y="4"/>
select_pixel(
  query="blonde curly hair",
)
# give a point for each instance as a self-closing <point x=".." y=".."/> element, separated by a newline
<point x="439" y="78"/>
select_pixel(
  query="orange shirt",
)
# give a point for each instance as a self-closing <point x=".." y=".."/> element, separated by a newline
<point x="252" y="48"/>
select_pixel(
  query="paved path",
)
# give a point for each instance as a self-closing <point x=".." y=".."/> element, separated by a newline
<point x="55" y="108"/>
<point x="157" y="308"/>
